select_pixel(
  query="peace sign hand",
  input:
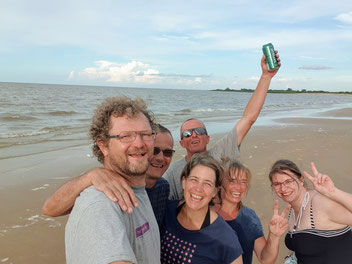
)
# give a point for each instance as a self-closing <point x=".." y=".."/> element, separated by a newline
<point x="321" y="182"/>
<point x="278" y="223"/>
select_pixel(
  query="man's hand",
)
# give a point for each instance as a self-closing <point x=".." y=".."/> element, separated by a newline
<point x="114" y="187"/>
<point x="265" y="70"/>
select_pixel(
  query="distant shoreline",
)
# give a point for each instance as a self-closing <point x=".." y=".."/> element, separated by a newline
<point x="287" y="91"/>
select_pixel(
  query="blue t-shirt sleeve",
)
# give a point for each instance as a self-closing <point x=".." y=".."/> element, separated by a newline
<point x="234" y="250"/>
<point x="256" y="226"/>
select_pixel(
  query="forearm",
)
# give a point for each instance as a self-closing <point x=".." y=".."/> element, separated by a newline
<point x="257" y="100"/>
<point x="253" y="108"/>
<point x="343" y="198"/>
<point x="271" y="250"/>
<point x="62" y="201"/>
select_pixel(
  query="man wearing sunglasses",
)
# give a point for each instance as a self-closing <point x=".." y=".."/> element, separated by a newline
<point x="194" y="136"/>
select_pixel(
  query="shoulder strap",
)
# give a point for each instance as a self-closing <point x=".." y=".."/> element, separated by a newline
<point x="311" y="215"/>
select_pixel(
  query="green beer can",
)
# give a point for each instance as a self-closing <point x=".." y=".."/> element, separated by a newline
<point x="270" y="58"/>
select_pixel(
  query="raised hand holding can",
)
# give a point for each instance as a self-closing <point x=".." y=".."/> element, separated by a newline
<point x="270" y="57"/>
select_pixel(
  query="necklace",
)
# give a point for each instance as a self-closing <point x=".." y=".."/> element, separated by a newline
<point x="297" y="221"/>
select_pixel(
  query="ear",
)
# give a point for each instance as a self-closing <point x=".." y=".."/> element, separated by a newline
<point x="183" y="182"/>
<point x="208" y="139"/>
<point x="182" y="143"/>
<point x="217" y="189"/>
<point x="302" y="179"/>
<point x="103" y="147"/>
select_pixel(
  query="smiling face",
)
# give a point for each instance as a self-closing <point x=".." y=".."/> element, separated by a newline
<point x="287" y="186"/>
<point x="195" y="143"/>
<point x="129" y="159"/>
<point x="199" y="187"/>
<point x="234" y="187"/>
<point x="160" y="163"/>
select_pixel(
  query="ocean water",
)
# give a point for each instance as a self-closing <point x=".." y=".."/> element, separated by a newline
<point x="58" y="116"/>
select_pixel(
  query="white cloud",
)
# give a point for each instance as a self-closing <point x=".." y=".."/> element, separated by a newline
<point x="71" y="76"/>
<point x="314" y="67"/>
<point x="254" y="78"/>
<point x="345" y="18"/>
<point x="133" y="72"/>
<point x="198" y="80"/>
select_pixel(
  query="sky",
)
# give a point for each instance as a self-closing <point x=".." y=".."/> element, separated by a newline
<point x="176" y="44"/>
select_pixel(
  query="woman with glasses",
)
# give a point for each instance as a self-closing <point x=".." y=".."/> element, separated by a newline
<point x="244" y="220"/>
<point x="193" y="232"/>
<point x="319" y="219"/>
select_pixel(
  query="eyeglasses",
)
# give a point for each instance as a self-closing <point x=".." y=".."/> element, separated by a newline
<point x="130" y="136"/>
<point x="188" y="132"/>
<point x="166" y="152"/>
<point x="287" y="183"/>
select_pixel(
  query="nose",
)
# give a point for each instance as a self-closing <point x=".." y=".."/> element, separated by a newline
<point x="194" y="134"/>
<point x="159" y="156"/>
<point x="198" y="187"/>
<point x="283" y="186"/>
<point x="138" y="142"/>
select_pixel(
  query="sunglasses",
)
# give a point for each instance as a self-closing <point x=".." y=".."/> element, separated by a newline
<point x="188" y="132"/>
<point x="166" y="152"/>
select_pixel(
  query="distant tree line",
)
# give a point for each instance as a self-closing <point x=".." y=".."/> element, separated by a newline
<point x="288" y="90"/>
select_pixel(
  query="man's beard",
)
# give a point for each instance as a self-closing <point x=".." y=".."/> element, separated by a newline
<point x="125" y="167"/>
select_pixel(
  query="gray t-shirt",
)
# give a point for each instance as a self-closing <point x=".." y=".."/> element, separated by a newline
<point x="97" y="231"/>
<point x="224" y="147"/>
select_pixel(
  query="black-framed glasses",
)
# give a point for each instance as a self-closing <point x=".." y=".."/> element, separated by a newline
<point x="287" y="183"/>
<point x="166" y="152"/>
<point x="130" y="136"/>
<point x="188" y="132"/>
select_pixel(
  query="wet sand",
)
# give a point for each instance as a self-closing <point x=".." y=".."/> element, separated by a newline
<point x="26" y="236"/>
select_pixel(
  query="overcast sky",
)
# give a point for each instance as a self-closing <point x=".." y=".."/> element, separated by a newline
<point x="176" y="44"/>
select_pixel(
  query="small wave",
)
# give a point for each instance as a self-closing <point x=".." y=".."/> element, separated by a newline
<point x="62" y="113"/>
<point x="214" y="110"/>
<point x="186" y="110"/>
<point x="24" y="134"/>
<point x="14" y="118"/>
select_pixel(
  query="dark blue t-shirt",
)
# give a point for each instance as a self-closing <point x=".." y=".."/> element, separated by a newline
<point x="248" y="228"/>
<point x="158" y="196"/>
<point x="216" y="243"/>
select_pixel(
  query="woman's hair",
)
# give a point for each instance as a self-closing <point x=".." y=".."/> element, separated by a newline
<point x="116" y="107"/>
<point x="284" y="166"/>
<point x="234" y="169"/>
<point x="205" y="160"/>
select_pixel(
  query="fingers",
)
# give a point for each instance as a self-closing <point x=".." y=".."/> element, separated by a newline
<point x="263" y="59"/>
<point x="128" y="196"/>
<point x="309" y="177"/>
<point x="314" y="169"/>
<point x="285" y="211"/>
<point x="276" y="207"/>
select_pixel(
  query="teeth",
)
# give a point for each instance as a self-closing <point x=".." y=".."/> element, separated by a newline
<point x="235" y="194"/>
<point x="157" y="165"/>
<point x="195" y="142"/>
<point x="195" y="196"/>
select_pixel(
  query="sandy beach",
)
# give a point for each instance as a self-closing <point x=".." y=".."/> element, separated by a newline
<point x="27" y="236"/>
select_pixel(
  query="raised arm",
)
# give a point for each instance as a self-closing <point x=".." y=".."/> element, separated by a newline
<point x="113" y="185"/>
<point x="338" y="202"/>
<point x="268" y="250"/>
<point x="255" y="104"/>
